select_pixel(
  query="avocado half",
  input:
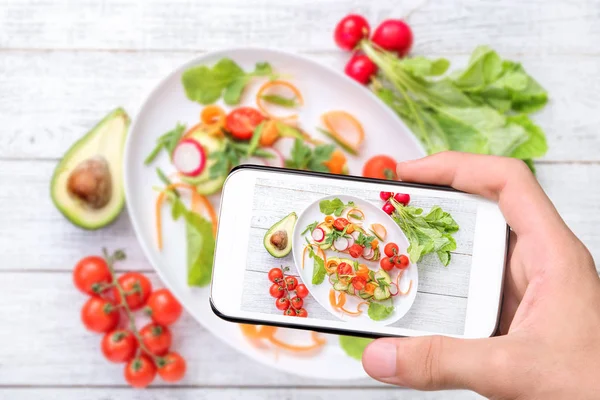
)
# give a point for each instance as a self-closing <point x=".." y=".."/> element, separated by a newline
<point x="105" y="142"/>
<point x="278" y="239"/>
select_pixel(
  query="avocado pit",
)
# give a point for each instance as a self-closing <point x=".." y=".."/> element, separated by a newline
<point x="279" y="240"/>
<point x="91" y="182"/>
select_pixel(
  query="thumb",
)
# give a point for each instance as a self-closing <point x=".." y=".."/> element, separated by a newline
<point x="439" y="362"/>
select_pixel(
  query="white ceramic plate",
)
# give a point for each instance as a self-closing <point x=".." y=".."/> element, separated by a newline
<point x="323" y="89"/>
<point x="373" y="214"/>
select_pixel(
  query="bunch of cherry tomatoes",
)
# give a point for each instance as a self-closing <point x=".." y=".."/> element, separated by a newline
<point x="392" y="35"/>
<point x="393" y="258"/>
<point x="289" y="294"/>
<point x="112" y="300"/>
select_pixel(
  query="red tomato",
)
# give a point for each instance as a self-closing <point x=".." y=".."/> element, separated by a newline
<point x="275" y="275"/>
<point x="276" y="290"/>
<point x="140" y="372"/>
<point x="360" y="68"/>
<point x="163" y="307"/>
<point x="302" y="313"/>
<point x="350" y="30"/>
<point x="385" y="196"/>
<point x="388" y="208"/>
<point x="359" y="282"/>
<point x="356" y="250"/>
<point x="99" y="315"/>
<point x="401" y="262"/>
<point x="297" y="302"/>
<point x="340" y="223"/>
<point x="344" y="269"/>
<point x="391" y="249"/>
<point x="90" y="274"/>
<point x="386" y="264"/>
<point x="380" y="167"/>
<point x="119" y="346"/>
<point x="290" y="312"/>
<point x="282" y="303"/>
<point x="171" y="367"/>
<point x="402" y="198"/>
<point x="242" y="121"/>
<point x="157" y="338"/>
<point x="394" y="35"/>
<point x="291" y="282"/>
<point x="138" y="287"/>
<point x="301" y="291"/>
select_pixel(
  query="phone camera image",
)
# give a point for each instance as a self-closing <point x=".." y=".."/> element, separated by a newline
<point x="327" y="251"/>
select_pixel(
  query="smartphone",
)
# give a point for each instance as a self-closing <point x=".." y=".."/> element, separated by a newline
<point x="357" y="256"/>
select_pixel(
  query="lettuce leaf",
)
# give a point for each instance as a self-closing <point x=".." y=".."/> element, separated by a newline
<point x="354" y="346"/>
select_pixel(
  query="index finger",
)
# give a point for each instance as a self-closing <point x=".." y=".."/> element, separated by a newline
<point x="508" y="181"/>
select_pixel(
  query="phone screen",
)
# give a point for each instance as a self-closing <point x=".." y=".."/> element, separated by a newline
<point x="364" y="256"/>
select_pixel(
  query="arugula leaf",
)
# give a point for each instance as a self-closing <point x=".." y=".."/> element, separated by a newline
<point x="305" y="158"/>
<point x="310" y="227"/>
<point x="354" y="346"/>
<point x="167" y="141"/>
<point x="280" y="100"/>
<point x="335" y="206"/>
<point x="378" y="311"/>
<point x="232" y="154"/>
<point x="319" y="271"/>
<point x="253" y="145"/>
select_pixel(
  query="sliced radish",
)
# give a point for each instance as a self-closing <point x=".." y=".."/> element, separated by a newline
<point x="278" y="160"/>
<point x="255" y="161"/>
<point x="355" y="235"/>
<point x="340" y="244"/>
<point x="189" y="157"/>
<point x="368" y="253"/>
<point x="318" y="235"/>
<point x="350" y="240"/>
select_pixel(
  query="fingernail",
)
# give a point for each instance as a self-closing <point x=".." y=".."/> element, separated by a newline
<point x="379" y="360"/>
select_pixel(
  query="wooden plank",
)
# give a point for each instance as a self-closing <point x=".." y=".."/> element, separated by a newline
<point x="228" y="393"/>
<point x="448" y="26"/>
<point x="50" y="99"/>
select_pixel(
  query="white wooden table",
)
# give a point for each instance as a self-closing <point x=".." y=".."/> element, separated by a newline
<point x="63" y="64"/>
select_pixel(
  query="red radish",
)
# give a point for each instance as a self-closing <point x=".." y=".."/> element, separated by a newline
<point x="350" y="240"/>
<point x="355" y="235"/>
<point x="388" y="208"/>
<point x="350" y="30"/>
<point x="368" y="253"/>
<point x="340" y="244"/>
<point x="278" y="159"/>
<point x="385" y="196"/>
<point x="318" y="235"/>
<point x="394" y="35"/>
<point x="189" y="157"/>
<point x="402" y="198"/>
<point x="360" y="68"/>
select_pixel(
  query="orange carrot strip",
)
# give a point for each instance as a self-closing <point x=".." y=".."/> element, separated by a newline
<point x="328" y="265"/>
<point x="350" y="229"/>
<point x="398" y="284"/>
<point x="329" y="219"/>
<point x="157" y="215"/>
<point x="212" y="114"/>
<point x="341" y="299"/>
<point x="317" y="339"/>
<point x="358" y="312"/>
<point x="294" y="348"/>
<point x="269" y="134"/>
<point x="250" y="331"/>
<point x="270" y="84"/>
<point x="336" y="163"/>
<point x="329" y="121"/>
<point x="332" y="299"/>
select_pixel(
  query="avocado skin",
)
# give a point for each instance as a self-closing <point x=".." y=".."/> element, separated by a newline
<point x="79" y="219"/>
<point x="283" y="224"/>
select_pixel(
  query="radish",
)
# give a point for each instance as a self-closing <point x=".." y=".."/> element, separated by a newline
<point x="278" y="160"/>
<point x="189" y="157"/>
<point x="368" y="253"/>
<point x="318" y="235"/>
<point x="350" y="240"/>
<point x="355" y="235"/>
<point x="340" y="244"/>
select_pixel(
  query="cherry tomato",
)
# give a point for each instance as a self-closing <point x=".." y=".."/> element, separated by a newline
<point x="391" y="249"/>
<point x="163" y="307"/>
<point x="344" y="269"/>
<point x="140" y="372"/>
<point x="290" y="312"/>
<point x="276" y="290"/>
<point x="302" y="313"/>
<point x="356" y="250"/>
<point x="137" y="287"/>
<point x="385" y="196"/>
<point x="157" y="338"/>
<point x="297" y="302"/>
<point x="301" y="290"/>
<point x="119" y="346"/>
<point x="340" y="223"/>
<point x="360" y="68"/>
<point x="380" y="167"/>
<point x="291" y="282"/>
<point x="394" y="35"/>
<point x="388" y="208"/>
<point x="282" y="303"/>
<point x="99" y="315"/>
<point x="171" y="367"/>
<point x="242" y="121"/>
<point x="90" y="274"/>
<point x="402" y="198"/>
<point x="275" y="275"/>
<point x="359" y="282"/>
<point x="386" y="264"/>
<point x="350" y="30"/>
<point x="401" y="262"/>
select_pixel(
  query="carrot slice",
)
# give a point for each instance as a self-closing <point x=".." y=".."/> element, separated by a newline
<point x="337" y="124"/>
<point x="157" y="215"/>
<point x="213" y="119"/>
<point x="331" y="266"/>
<point x="269" y="134"/>
<point x="268" y="332"/>
<point x="329" y="219"/>
<point x="341" y="299"/>
<point x="337" y="162"/>
<point x="398" y="284"/>
<point x="269" y="85"/>
<point x="332" y="299"/>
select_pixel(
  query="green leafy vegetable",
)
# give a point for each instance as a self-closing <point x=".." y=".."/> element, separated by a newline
<point x="280" y="100"/>
<point x="364" y="240"/>
<point x="354" y="346"/>
<point x="255" y="139"/>
<point x="305" y="158"/>
<point x="335" y="206"/>
<point x="426" y="233"/>
<point x="226" y="78"/>
<point x="319" y="271"/>
<point x="310" y="227"/>
<point x="168" y="141"/>
<point x="232" y="155"/>
<point x="378" y="311"/>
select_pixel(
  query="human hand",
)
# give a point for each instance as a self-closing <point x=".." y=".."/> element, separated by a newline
<point x="549" y="343"/>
